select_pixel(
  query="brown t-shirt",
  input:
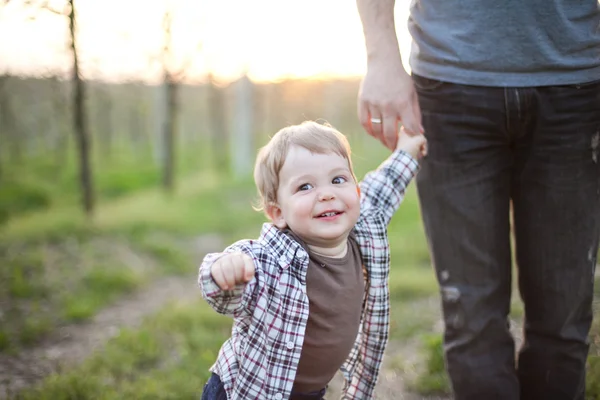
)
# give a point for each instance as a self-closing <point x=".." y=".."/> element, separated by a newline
<point x="335" y="289"/>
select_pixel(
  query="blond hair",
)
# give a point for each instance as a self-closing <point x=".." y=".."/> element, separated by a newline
<point x="314" y="137"/>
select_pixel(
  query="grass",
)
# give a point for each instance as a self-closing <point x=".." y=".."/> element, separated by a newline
<point x="62" y="268"/>
<point x="48" y="181"/>
<point x="166" y="358"/>
<point x="50" y="283"/>
<point x="97" y="288"/>
<point x="169" y="356"/>
<point x="434" y="379"/>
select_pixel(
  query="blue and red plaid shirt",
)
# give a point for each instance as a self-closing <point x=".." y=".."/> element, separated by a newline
<point x="270" y="312"/>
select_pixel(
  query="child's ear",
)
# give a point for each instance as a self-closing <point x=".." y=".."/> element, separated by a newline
<point x="276" y="216"/>
<point x="358" y="190"/>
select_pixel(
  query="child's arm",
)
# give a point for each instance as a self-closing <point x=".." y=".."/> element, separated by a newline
<point x="383" y="189"/>
<point x="227" y="279"/>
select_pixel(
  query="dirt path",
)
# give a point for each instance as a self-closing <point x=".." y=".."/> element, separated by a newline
<point x="71" y="344"/>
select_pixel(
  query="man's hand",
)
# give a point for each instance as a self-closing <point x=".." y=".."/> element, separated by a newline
<point x="232" y="269"/>
<point x="387" y="96"/>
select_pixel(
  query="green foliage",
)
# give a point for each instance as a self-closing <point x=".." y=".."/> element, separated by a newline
<point x="171" y="258"/>
<point x="118" y="182"/>
<point x="47" y="180"/>
<point x="4" y="340"/>
<point x="70" y="386"/>
<point x="23" y="273"/>
<point x="17" y="197"/>
<point x="169" y="355"/>
<point x="434" y="379"/>
<point x="593" y="378"/>
<point x="166" y="358"/>
<point x="410" y="282"/>
<point x="98" y="288"/>
<point x="33" y="328"/>
<point x="411" y="317"/>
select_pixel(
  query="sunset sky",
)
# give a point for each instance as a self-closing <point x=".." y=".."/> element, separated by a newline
<point x="120" y="39"/>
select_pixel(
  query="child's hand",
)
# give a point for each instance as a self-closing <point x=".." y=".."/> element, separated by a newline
<point x="232" y="269"/>
<point x="415" y="145"/>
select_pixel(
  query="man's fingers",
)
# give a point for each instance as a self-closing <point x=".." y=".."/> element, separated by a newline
<point x="390" y="132"/>
<point x="410" y="123"/>
<point x="364" y="116"/>
<point x="376" y="122"/>
<point x="417" y="112"/>
<point x="411" y="118"/>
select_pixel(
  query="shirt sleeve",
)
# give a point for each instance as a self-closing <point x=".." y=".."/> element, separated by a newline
<point x="383" y="189"/>
<point x="228" y="302"/>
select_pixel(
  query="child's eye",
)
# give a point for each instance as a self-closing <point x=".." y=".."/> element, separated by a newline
<point x="338" y="180"/>
<point x="306" y="186"/>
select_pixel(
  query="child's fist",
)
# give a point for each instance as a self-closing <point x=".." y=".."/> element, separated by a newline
<point x="415" y="145"/>
<point x="232" y="269"/>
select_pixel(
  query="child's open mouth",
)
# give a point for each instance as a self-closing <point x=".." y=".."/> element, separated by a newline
<point x="329" y="214"/>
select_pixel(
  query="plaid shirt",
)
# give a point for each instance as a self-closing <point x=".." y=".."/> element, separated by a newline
<point x="270" y="312"/>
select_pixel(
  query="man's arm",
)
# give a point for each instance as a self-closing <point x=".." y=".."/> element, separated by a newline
<point x="379" y="28"/>
<point x="387" y="93"/>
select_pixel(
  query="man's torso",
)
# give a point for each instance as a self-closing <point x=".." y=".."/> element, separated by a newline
<point x="506" y="43"/>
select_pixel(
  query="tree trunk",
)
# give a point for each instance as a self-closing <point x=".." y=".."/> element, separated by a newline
<point x="9" y="127"/>
<point x="241" y="145"/>
<point x="104" y="111"/>
<point x="218" y="132"/>
<point x="169" y="129"/>
<point x="80" y="123"/>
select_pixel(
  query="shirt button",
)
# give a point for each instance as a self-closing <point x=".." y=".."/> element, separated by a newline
<point x="278" y="396"/>
<point x="290" y="345"/>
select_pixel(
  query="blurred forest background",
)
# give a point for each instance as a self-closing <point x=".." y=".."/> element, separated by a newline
<point x="112" y="192"/>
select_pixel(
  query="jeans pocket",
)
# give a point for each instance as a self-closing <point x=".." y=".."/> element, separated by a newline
<point x="595" y="84"/>
<point x="426" y="84"/>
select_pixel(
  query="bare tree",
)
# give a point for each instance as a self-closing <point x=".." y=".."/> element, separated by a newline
<point x="80" y="123"/>
<point x="9" y="137"/>
<point x="218" y="129"/>
<point x="169" y="102"/>
<point x="172" y="75"/>
<point x="241" y="145"/>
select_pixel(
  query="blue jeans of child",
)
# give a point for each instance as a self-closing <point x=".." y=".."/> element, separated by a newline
<point x="214" y="390"/>
<point x="537" y="148"/>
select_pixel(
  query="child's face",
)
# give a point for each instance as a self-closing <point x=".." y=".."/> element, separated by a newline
<point x="317" y="197"/>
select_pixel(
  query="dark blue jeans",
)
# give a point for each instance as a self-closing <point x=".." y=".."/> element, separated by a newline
<point x="536" y="149"/>
<point x="214" y="390"/>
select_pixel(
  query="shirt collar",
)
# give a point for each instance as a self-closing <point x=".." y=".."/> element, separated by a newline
<point x="284" y="248"/>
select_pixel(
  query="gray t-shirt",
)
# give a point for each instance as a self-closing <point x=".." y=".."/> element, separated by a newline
<point x="506" y="42"/>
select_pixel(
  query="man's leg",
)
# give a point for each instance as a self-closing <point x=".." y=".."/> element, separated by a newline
<point x="556" y="197"/>
<point x="464" y="189"/>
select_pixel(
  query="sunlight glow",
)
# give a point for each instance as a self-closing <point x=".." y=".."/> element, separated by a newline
<point x="122" y="39"/>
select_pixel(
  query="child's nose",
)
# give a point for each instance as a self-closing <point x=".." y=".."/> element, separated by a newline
<point x="325" y="196"/>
